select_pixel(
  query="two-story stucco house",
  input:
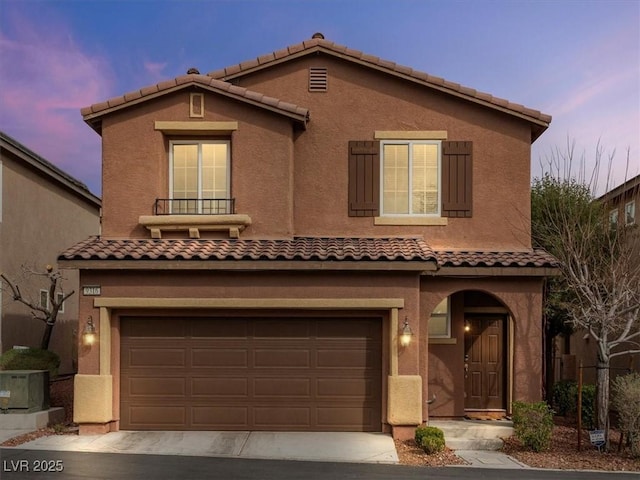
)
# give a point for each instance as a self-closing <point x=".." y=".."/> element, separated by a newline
<point x="42" y="210"/>
<point x="313" y="240"/>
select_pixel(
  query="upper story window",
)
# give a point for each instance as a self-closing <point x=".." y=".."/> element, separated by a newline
<point x="200" y="177"/>
<point x="44" y="299"/>
<point x="410" y="178"/>
<point x="630" y="212"/>
<point x="613" y="217"/>
<point x="406" y="180"/>
<point x="59" y="300"/>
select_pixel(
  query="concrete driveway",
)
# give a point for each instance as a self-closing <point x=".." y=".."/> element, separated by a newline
<point x="318" y="446"/>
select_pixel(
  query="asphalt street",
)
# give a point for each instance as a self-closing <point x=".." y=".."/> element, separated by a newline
<point x="41" y="464"/>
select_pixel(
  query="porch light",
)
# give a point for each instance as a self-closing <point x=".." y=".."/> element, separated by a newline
<point x="467" y="327"/>
<point x="89" y="332"/>
<point x="407" y="333"/>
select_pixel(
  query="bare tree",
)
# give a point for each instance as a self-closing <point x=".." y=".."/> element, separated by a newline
<point x="46" y="312"/>
<point x="600" y="263"/>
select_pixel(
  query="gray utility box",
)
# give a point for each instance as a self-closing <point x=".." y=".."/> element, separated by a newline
<point x="28" y="390"/>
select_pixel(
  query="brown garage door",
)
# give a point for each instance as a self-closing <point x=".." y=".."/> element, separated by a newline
<point x="305" y="374"/>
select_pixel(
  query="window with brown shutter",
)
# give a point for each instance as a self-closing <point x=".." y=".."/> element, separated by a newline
<point x="457" y="179"/>
<point x="364" y="178"/>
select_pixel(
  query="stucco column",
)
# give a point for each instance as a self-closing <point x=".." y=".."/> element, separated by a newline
<point x="93" y="394"/>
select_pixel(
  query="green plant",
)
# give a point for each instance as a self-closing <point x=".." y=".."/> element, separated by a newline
<point x="565" y="401"/>
<point x="565" y="397"/>
<point x="30" y="359"/>
<point x="431" y="439"/>
<point x="59" y="428"/>
<point x="533" y="424"/>
<point x="588" y="406"/>
<point x="626" y="400"/>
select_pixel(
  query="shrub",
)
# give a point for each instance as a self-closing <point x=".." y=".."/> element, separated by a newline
<point x="588" y="406"/>
<point x="31" y="359"/>
<point x="565" y="401"/>
<point x="626" y="400"/>
<point x="533" y="424"/>
<point x="565" y="397"/>
<point x="431" y="439"/>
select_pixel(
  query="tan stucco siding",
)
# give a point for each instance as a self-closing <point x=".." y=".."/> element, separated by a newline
<point x="136" y="163"/>
<point x="39" y="220"/>
<point x="255" y="286"/>
<point x="361" y="101"/>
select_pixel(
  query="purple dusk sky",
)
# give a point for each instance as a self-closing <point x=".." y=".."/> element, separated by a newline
<point x="578" y="61"/>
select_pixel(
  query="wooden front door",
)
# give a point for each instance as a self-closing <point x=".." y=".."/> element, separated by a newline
<point x="485" y="362"/>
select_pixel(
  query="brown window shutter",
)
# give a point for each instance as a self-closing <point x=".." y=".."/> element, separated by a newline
<point x="456" y="179"/>
<point x="364" y="178"/>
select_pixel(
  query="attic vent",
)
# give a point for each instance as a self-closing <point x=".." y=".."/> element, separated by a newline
<point x="196" y="105"/>
<point x="317" y="79"/>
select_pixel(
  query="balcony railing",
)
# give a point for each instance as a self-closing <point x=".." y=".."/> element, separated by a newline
<point x="194" y="206"/>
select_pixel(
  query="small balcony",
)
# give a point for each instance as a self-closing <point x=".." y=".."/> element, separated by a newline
<point x="194" y="206"/>
<point x="195" y="216"/>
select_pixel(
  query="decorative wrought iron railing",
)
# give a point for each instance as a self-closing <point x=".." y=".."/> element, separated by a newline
<point x="194" y="206"/>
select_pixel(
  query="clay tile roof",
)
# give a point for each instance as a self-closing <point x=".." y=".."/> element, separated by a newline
<point x="299" y="248"/>
<point x="532" y="258"/>
<point x="320" y="44"/>
<point x="94" y="111"/>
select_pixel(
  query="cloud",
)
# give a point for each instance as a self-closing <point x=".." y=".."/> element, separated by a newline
<point x="593" y="90"/>
<point x="155" y="69"/>
<point x="45" y="79"/>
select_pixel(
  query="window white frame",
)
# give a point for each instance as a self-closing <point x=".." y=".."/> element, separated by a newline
<point x="410" y="144"/>
<point x="59" y="297"/>
<point x="613" y="216"/>
<point x="630" y="212"/>
<point x="199" y="143"/>
<point x="44" y="298"/>
<point x="446" y="316"/>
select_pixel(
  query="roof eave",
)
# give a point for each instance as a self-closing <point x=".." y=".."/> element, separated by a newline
<point x="415" y="266"/>
<point x="50" y="171"/>
<point x="496" y="271"/>
<point x="94" y="119"/>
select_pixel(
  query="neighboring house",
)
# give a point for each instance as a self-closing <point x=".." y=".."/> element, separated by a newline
<point x="621" y="203"/>
<point x="42" y="210"/>
<point x="271" y="230"/>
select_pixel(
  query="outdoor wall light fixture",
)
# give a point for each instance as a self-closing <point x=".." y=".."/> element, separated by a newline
<point x="467" y="327"/>
<point x="89" y="333"/>
<point x="407" y="333"/>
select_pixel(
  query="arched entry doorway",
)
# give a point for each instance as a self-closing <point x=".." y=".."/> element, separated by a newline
<point x="470" y="368"/>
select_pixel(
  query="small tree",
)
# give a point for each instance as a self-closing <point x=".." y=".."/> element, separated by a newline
<point x="600" y="263"/>
<point x="46" y="313"/>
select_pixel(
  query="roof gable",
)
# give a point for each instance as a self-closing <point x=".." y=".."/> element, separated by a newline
<point x="47" y="169"/>
<point x="539" y="121"/>
<point x="94" y="113"/>
<point x="625" y="188"/>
